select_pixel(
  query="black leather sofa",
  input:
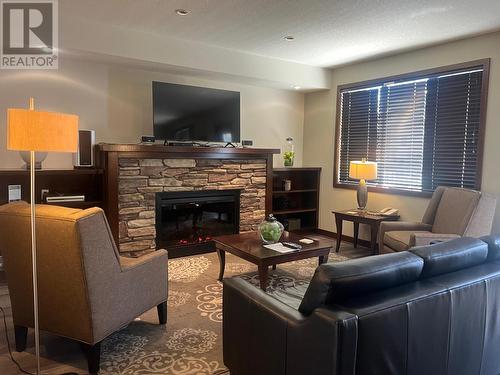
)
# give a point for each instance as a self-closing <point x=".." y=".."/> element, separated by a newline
<point x="430" y="310"/>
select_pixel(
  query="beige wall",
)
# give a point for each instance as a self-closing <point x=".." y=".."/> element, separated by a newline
<point x="116" y="102"/>
<point x="319" y="122"/>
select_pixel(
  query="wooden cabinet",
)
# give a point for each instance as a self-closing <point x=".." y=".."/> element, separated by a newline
<point x="58" y="181"/>
<point x="297" y="208"/>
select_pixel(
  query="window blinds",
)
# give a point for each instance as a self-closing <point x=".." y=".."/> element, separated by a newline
<point x="422" y="132"/>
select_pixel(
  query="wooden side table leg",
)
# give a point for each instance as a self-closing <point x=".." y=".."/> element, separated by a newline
<point x="263" y="274"/>
<point x="374" y="235"/>
<point x="338" y="221"/>
<point x="222" y="262"/>
<point x="356" y="234"/>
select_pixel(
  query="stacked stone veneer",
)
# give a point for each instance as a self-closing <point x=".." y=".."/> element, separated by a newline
<point x="141" y="179"/>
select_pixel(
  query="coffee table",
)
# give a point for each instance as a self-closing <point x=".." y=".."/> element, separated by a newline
<point x="249" y="247"/>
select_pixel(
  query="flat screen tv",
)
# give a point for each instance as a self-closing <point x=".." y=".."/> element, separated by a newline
<point x="191" y="114"/>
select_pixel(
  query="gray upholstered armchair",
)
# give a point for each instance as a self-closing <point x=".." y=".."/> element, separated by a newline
<point x="86" y="289"/>
<point x="452" y="213"/>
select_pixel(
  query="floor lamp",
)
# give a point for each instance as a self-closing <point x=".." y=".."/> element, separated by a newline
<point x="30" y="130"/>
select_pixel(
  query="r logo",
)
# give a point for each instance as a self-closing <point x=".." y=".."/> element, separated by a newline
<point x="27" y="28"/>
<point x="29" y="34"/>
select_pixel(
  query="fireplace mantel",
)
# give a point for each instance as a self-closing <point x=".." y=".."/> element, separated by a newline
<point x="109" y="155"/>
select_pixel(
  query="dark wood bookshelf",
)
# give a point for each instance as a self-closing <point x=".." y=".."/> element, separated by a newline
<point x="78" y="181"/>
<point x="301" y="202"/>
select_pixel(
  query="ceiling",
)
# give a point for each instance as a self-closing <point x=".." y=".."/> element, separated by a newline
<point x="327" y="33"/>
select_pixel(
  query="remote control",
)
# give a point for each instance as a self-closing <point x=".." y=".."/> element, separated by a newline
<point x="292" y="245"/>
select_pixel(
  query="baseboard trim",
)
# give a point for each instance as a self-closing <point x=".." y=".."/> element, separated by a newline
<point x="345" y="238"/>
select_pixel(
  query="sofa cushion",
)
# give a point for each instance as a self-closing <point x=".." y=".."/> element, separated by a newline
<point x="335" y="282"/>
<point x="493" y="242"/>
<point x="451" y="256"/>
<point x="455" y="210"/>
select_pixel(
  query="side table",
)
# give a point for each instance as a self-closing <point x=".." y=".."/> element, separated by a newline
<point x="360" y="217"/>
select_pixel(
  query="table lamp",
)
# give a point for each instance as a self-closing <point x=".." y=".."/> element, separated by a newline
<point x="30" y="130"/>
<point x="362" y="170"/>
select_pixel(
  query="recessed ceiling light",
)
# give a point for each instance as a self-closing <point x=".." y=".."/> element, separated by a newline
<point x="182" y="12"/>
<point x="297" y="87"/>
<point x="289" y="38"/>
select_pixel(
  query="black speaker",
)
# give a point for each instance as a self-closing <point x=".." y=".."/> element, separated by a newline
<point x="84" y="157"/>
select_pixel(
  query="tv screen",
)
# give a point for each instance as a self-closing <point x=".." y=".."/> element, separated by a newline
<point x="189" y="113"/>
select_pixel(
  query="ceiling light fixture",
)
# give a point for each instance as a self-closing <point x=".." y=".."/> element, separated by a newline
<point x="289" y="38"/>
<point x="297" y="87"/>
<point x="182" y="12"/>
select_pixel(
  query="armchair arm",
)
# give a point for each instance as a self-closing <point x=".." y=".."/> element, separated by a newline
<point x="425" y="238"/>
<point x="262" y="335"/>
<point x="389" y="226"/>
<point x="127" y="263"/>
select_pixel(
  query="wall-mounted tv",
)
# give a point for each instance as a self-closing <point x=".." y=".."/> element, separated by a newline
<point x="190" y="114"/>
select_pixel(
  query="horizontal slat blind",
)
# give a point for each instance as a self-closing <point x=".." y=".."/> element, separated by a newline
<point x="401" y="144"/>
<point x="423" y="132"/>
<point x="359" y="138"/>
<point x="452" y="131"/>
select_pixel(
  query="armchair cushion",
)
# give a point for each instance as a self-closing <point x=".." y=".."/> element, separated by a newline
<point x="455" y="210"/>
<point x="400" y="240"/>
<point x="425" y="238"/>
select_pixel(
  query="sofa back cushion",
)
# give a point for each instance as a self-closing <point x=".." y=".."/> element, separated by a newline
<point x="455" y="209"/>
<point x="451" y="256"/>
<point x="493" y="242"/>
<point x="335" y="282"/>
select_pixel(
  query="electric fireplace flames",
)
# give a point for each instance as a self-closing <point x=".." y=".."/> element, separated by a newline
<point x="187" y="221"/>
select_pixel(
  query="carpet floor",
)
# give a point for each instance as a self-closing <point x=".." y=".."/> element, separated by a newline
<point x="190" y="343"/>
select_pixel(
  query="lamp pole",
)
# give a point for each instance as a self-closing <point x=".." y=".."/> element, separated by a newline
<point x="33" y="252"/>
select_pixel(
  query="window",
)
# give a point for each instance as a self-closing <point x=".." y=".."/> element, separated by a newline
<point x="423" y="129"/>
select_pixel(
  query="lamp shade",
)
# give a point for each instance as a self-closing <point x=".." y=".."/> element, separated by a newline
<point x="366" y="170"/>
<point x="29" y="130"/>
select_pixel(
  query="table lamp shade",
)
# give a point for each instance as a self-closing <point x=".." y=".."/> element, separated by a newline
<point x="363" y="170"/>
<point x="29" y="130"/>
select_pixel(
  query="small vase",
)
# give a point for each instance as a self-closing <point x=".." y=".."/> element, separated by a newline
<point x="270" y="230"/>
<point x="289" y="154"/>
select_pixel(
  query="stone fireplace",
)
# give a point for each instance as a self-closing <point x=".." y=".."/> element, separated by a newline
<point x="140" y="180"/>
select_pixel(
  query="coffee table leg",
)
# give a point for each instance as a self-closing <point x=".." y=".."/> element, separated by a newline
<point x="222" y="262"/>
<point x="323" y="259"/>
<point x="338" y="221"/>
<point x="356" y="233"/>
<point x="263" y="272"/>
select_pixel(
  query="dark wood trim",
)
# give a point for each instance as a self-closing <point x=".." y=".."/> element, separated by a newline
<point x="484" y="63"/>
<point x="293" y="169"/>
<point x="111" y="194"/>
<point x="108" y="147"/>
<point x="269" y="185"/>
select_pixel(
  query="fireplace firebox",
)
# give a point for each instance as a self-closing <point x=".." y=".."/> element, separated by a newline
<point x="186" y="221"/>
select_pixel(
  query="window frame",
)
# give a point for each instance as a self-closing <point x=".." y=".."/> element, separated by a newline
<point x="483" y="63"/>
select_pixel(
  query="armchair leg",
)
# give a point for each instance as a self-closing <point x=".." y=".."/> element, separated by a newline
<point x="21" y="334"/>
<point x="93" y="353"/>
<point x="162" y="312"/>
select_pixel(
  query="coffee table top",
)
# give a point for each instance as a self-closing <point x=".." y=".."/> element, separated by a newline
<point x="249" y="246"/>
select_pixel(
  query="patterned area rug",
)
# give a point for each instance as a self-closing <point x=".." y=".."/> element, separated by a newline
<point x="191" y="342"/>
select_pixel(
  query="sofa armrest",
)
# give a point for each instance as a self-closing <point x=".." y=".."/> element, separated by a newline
<point x="425" y="238"/>
<point x="262" y="335"/>
<point x="389" y="226"/>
